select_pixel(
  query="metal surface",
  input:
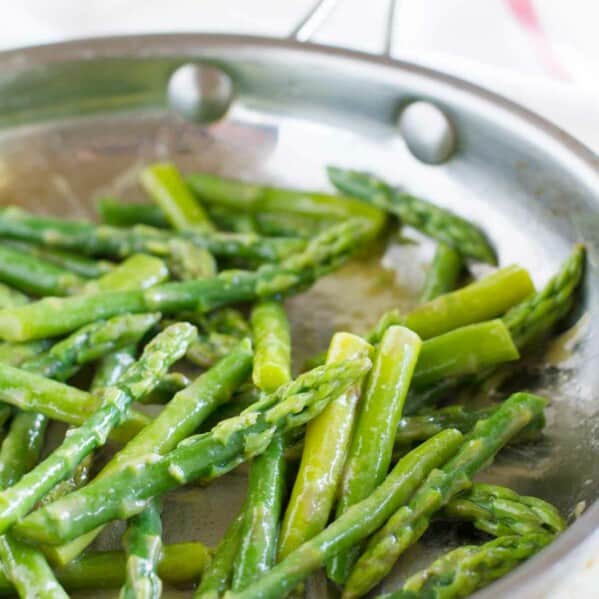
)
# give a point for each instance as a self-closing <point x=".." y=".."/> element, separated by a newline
<point x="80" y="119"/>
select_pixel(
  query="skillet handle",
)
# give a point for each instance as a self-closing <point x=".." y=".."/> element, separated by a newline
<point x="319" y="13"/>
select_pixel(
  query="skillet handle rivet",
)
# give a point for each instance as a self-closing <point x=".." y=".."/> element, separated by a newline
<point x="200" y="92"/>
<point x="427" y="131"/>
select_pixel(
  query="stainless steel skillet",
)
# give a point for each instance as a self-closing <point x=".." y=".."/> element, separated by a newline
<point x="77" y="119"/>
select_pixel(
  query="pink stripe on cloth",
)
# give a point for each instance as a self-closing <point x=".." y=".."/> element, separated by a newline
<point x="526" y="14"/>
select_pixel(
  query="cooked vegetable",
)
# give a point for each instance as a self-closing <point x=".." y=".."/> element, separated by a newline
<point x="408" y="524"/>
<point x="443" y="274"/>
<point x="439" y="223"/>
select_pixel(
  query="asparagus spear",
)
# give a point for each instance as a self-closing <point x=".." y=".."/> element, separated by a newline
<point x="528" y="322"/>
<point x="50" y="317"/>
<point x="439" y="223"/>
<point x="117" y="213"/>
<point x="26" y="566"/>
<point x="78" y="265"/>
<point x="482" y="300"/>
<point x="218" y="574"/>
<point x="14" y="354"/>
<point x="166" y="187"/>
<point x="469" y="568"/>
<point x="112" y="367"/>
<point x="443" y="274"/>
<point x="125" y="492"/>
<point x="139" y="271"/>
<point x="10" y="297"/>
<point x="263" y="505"/>
<point x="90" y="343"/>
<point x="359" y="521"/>
<point x="143" y="545"/>
<point x="500" y="511"/>
<point x="466" y="350"/>
<point x="116" y="242"/>
<point x="272" y="362"/>
<point x="34" y="275"/>
<point x="326" y="442"/>
<point x="158" y="355"/>
<point x="408" y="524"/>
<point x="258" y="199"/>
<point x="533" y="318"/>
<point x="35" y="393"/>
<point x="180" y="564"/>
<point x="371" y="447"/>
<point x="412" y="429"/>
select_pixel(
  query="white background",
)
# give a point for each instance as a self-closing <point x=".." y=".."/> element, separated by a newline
<point x="543" y="54"/>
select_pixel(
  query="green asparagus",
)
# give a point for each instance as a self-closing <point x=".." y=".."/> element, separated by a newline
<point x="263" y="505"/>
<point x="257" y="199"/>
<point x="52" y="316"/>
<point x="143" y="545"/>
<point x="159" y="354"/>
<point x="218" y="574"/>
<point x="166" y="187"/>
<point x="408" y="524"/>
<point x="34" y="275"/>
<point x="326" y="442"/>
<point x="10" y="297"/>
<point x="500" y="511"/>
<point x="125" y="492"/>
<point x="78" y="265"/>
<point x="439" y="223"/>
<point x="117" y="213"/>
<point x="180" y="564"/>
<point x="116" y="242"/>
<point x="466" y="569"/>
<point x="443" y="274"/>
<point x="359" y="521"/>
<point x="371" y="448"/>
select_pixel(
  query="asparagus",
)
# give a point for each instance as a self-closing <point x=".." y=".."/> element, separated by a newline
<point x="261" y="513"/>
<point x="466" y="569"/>
<point x="500" y="511"/>
<point x="125" y="492"/>
<point x="326" y="443"/>
<point x="26" y="566"/>
<point x="114" y="212"/>
<point x="528" y="322"/>
<point x="143" y="545"/>
<point x="139" y="378"/>
<point x="14" y="354"/>
<point x="443" y="274"/>
<point x="51" y="316"/>
<point x="263" y="505"/>
<point x="533" y="318"/>
<point x="272" y="362"/>
<point x="166" y="187"/>
<point x="218" y="574"/>
<point x="257" y="199"/>
<point x="359" y="521"/>
<point x="437" y="222"/>
<point x="371" y="448"/>
<point x="90" y="343"/>
<point x="469" y="349"/>
<point x="210" y="348"/>
<point x="115" y="242"/>
<point x="28" y="570"/>
<point x="139" y="271"/>
<point x="111" y="367"/>
<point x="34" y="275"/>
<point x="79" y="265"/>
<point x="412" y="429"/>
<point x="10" y="297"/>
<point x="482" y="300"/>
<point x="180" y="564"/>
<point x="408" y="524"/>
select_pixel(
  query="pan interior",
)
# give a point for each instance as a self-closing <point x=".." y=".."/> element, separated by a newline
<point x="83" y="129"/>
